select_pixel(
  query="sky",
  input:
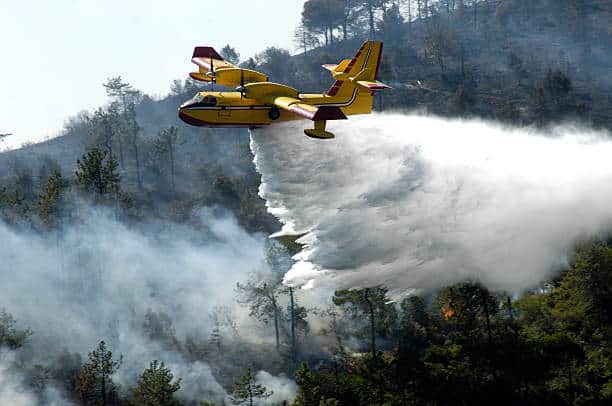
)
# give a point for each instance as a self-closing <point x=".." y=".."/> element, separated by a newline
<point x="55" y="55"/>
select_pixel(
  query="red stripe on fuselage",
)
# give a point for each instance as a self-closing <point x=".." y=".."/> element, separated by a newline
<point x="335" y="88"/>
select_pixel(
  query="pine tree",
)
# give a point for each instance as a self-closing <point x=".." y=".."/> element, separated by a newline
<point x="10" y="337"/>
<point x="97" y="175"/>
<point x="50" y="202"/>
<point x="155" y="387"/>
<point x="230" y="54"/>
<point x="94" y="383"/>
<point x="165" y="149"/>
<point x="246" y="390"/>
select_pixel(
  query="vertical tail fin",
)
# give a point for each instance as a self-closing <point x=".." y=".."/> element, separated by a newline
<point x="360" y="71"/>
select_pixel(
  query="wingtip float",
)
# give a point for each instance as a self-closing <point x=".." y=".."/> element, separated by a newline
<point x="258" y="102"/>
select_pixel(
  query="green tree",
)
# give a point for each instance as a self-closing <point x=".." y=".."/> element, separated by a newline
<point x="262" y="299"/>
<point x="105" y="128"/>
<point x="246" y="390"/>
<point x="469" y="308"/>
<point x="370" y="8"/>
<point x="10" y="336"/>
<point x="155" y="387"/>
<point x="94" y="382"/>
<point x="165" y="150"/>
<point x="230" y="54"/>
<point x="129" y="129"/>
<point x="373" y="304"/>
<point x="323" y="16"/>
<point x="51" y="202"/>
<point x="305" y="39"/>
<point x="132" y="131"/>
<point x="97" y="175"/>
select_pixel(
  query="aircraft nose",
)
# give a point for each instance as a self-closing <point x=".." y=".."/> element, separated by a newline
<point x="182" y="115"/>
<point x="186" y="118"/>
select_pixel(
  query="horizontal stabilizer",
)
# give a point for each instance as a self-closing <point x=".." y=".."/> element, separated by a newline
<point x="376" y="85"/>
<point x="330" y="66"/>
<point x="337" y="69"/>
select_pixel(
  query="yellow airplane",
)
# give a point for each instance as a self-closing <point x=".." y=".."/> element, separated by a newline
<point x="257" y="102"/>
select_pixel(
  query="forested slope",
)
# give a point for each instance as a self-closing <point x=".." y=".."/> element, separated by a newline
<point x="131" y="168"/>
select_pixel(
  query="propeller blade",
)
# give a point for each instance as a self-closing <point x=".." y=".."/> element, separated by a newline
<point x="242" y="89"/>
<point x="212" y="73"/>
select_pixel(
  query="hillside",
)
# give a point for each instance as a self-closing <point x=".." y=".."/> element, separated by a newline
<point x="133" y="241"/>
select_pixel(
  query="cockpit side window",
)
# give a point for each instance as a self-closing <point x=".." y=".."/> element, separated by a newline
<point x="209" y="101"/>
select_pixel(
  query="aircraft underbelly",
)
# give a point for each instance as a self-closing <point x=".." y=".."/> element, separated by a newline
<point x="234" y="117"/>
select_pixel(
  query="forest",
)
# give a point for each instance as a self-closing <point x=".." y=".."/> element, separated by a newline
<point x="137" y="268"/>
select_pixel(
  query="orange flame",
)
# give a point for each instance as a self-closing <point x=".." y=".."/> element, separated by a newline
<point x="447" y="312"/>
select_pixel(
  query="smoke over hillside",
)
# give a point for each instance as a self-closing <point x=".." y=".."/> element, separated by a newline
<point x="416" y="203"/>
<point x="102" y="280"/>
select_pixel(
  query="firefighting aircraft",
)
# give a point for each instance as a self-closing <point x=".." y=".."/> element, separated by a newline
<point x="256" y="102"/>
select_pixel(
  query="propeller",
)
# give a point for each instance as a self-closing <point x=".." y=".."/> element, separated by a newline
<point x="212" y="74"/>
<point x="242" y="89"/>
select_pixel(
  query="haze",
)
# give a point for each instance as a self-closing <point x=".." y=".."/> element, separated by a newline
<point x="56" y="55"/>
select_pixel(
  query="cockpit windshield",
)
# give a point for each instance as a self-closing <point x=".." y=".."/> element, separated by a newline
<point x="202" y="100"/>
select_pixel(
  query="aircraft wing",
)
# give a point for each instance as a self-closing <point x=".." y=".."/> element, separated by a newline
<point x="308" y="111"/>
<point x="212" y="67"/>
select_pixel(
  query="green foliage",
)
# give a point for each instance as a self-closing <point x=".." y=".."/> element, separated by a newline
<point x="323" y="16"/>
<point x="51" y="203"/>
<point x="94" y="381"/>
<point x="468" y="345"/>
<point x="155" y="387"/>
<point x="372" y="305"/>
<point x="261" y="296"/>
<point x="246" y="390"/>
<point x="164" y="147"/>
<point x="11" y="337"/>
<point x="97" y="176"/>
<point x="230" y="54"/>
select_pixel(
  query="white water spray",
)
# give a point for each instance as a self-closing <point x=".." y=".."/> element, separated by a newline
<point x="414" y="203"/>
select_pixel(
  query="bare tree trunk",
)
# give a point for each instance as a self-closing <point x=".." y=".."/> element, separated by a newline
<point x="120" y="152"/>
<point x="276" y="327"/>
<point x="293" y="338"/>
<point x="103" y="389"/>
<point x="171" y="151"/>
<point x="366" y="297"/>
<point x="137" y="159"/>
<point x="488" y="321"/>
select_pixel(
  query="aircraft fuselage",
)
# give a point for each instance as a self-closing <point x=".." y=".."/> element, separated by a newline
<point x="231" y="109"/>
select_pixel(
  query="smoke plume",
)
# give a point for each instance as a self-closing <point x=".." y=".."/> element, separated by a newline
<point x="97" y="280"/>
<point x="414" y="203"/>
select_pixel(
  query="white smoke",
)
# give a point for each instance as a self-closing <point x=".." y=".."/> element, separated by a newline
<point x="414" y="203"/>
<point x="14" y="392"/>
<point x="282" y="388"/>
<point x="97" y="280"/>
<point x="11" y="389"/>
